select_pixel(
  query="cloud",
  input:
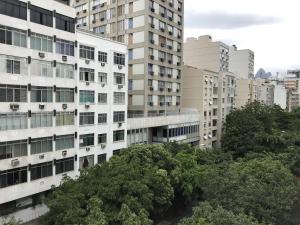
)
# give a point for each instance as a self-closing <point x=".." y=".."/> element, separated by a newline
<point x="225" y="20"/>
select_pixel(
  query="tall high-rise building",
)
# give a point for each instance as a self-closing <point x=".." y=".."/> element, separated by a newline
<point x="62" y="101"/>
<point x="241" y="62"/>
<point x="153" y="31"/>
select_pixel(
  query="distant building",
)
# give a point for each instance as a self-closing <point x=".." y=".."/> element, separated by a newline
<point x="292" y="84"/>
<point x="241" y="62"/>
<point x="262" y="74"/>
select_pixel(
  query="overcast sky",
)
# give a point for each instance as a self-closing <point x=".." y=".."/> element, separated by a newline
<point x="271" y="28"/>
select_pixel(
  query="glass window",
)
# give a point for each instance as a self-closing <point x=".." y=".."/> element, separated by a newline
<point x="87" y="96"/>
<point x="41" y="68"/>
<point x="119" y="78"/>
<point x="64" y="47"/>
<point x="102" y="138"/>
<point x="64" y="95"/>
<point x="14" y="8"/>
<point x="43" y="119"/>
<point x="42" y="170"/>
<point x="87" y="118"/>
<point x="86" y="140"/>
<point x="102" y="98"/>
<point x="119" y="58"/>
<point x="13" y="149"/>
<point x="102" y="57"/>
<point x="119" y="98"/>
<point x="13" y="93"/>
<point x="65" y="71"/>
<point x="102" y="158"/>
<point x="119" y="117"/>
<point x="11" y="36"/>
<point x="102" y="118"/>
<point x="119" y="135"/>
<point x="13" y="121"/>
<point x="64" y="118"/>
<point x="64" y="165"/>
<point x="86" y="161"/>
<point x="41" y="16"/>
<point x="13" y="65"/>
<point x="65" y="23"/>
<point x="41" y="42"/>
<point x="41" y="94"/>
<point x="87" y="74"/>
<point x="13" y="177"/>
<point x="102" y="78"/>
<point x="41" y="145"/>
<point x="86" y="52"/>
<point x="64" y="142"/>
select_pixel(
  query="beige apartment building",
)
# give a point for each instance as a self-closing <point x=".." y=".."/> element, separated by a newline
<point x="292" y="84"/>
<point x="212" y="94"/>
<point x="254" y="90"/>
<point x="153" y="31"/>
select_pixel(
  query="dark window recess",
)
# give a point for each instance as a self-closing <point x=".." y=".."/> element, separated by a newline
<point x="41" y="16"/>
<point x="41" y="170"/>
<point x="101" y="158"/>
<point x="65" y="23"/>
<point x="13" y="8"/>
<point x="64" y="165"/>
<point x="13" y="177"/>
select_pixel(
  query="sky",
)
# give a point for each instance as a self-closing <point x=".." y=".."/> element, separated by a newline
<point x="271" y="28"/>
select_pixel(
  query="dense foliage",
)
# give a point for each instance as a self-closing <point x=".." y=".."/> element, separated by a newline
<point x="251" y="181"/>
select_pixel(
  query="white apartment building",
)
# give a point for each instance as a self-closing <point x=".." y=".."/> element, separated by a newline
<point x="62" y="101"/>
<point x="280" y="93"/>
<point x="241" y="62"/>
<point x="204" y="53"/>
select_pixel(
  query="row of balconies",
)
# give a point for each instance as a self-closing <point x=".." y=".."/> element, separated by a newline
<point x="164" y="45"/>
<point x="163" y="30"/>
<point x="161" y="89"/>
<point x="163" y="60"/>
<point x="164" y="103"/>
<point x="162" y="74"/>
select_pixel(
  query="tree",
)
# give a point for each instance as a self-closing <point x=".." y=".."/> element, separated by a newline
<point x="263" y="188"/>
<point x="205" y="214"/>
<point x="12" y="221"/>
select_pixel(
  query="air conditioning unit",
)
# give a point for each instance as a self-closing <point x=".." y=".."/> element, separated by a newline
<point x="87" y="83"/>
<point x="119" y="124"/>
<point x="177" y="90"/>
<point x="178" y="36"/>
<point x="152" y="25"/>
<point x="170" y="18"/>
<point x="169" y="103"/>
<point x="179" y="9"/>
<point x="88" y="149"/>
<point x="41" y="156"/>
<point x="87" y="106"/>
<point x="179" y="23"/>
<point x="102" y="5"/>
<point x="77" y="13"/>
<point x="170" y="33"/>
<point x="151" y="103"/>
<point x="103" y="146"/>
<point x="102" y="84"/>
<point x="210" y="136"/>
<point x="64" y="153"/>
<point x="162" y="45"/>
<point x="120" y="86"/>
<point x="162" y="29"/>
<point x="14" y="107"/>
<point x="152" y="9"/>
<point x="87" y="61"/>
<point x="205" y="138"/>
<point x="120" y="67"/>
<point x="15" y="162"/>
<point x="161" y="89"/>
<point x="161" y="74"/>
<point x="170" y="61"/>
<point x="94" y="21"/>
<point x="41" y="54"/>
<point x="170" y="75"/>
<point x="178" y="77"/>
<point x="170" y="47"/>
<point x="151" y="88"/>
<point x="152" y="57"/>
<point x="94" y="7"/>
<point x="102" y="64"/>
<point x="102" y="19"/>
<point x="162" y="59"/>
<point x="64" y="106"/>
<point x="162" y="15"/>
<point x="178" y="50"/>
<point x="84" y="24"/>
<point x="42" y="106"/>
<point x="171" y="4"/>
<point x="169" y="89"/>
<point x="152" y="41"/>
<point x="161" y="103"/>
<point x="151" y="73"/>
<point x="64" y="58"/>
<point x="178" y="64"/>
<point x="177" y="103"/>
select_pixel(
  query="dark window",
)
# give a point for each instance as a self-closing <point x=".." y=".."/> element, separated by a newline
<point x="101" y="158"/>
<point x="119" y="135"/>
<point x="64" y="142"/>
<point x="102" y="57"/>
<point x="65" y="23"/>
<point x="65" y="47"/>
<point x="86" y="52"/>
<point x="13" y="66"/>
<point x="41" y="16"/>
<point x="41" y="94"/>
<point x="102" y="138"/>
<point x="64" y="165"/>
<point x="119" y="58"/>
<point x="87" y="118"/>
<point x="86" y="140"/>
<point x="102" y="118"/>
<point x="13" y="93"/>
<point x="13" y="149"/>
<point x="64" y="95"/>
<point x="41" y="170"/>
<point x="13" y="177"/>
<point x="13" y="8"/>
<point x="11" y="36"/>
<point x="119" y="117"/>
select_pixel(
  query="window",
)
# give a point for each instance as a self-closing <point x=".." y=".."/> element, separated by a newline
<point x="119" y="117"/>
<point x="102" y="158"/>
<point x="102" y="57"/>
<point x="41" y="145"/>
<point x="41" y="16"/>
<point x="65" y="23"/>
<point x="41" y="68"/>
<point x="64" y="95"/>
<point x="11" y="36"/>
<point x="64" y="47"/>
<point x="86" y="161"/>
<point x="65" y="71"/>
<point x="13" y="121"/>
<point x="41" y="42"/>
<point x="119" y="58"/>
<point x="102" y="98"/>
<point x="64" y="142"/>
<point x="87" y="118"/>
<point x="42" y="170"/>
<point x="119" y="98"/>
<point x="13" y="8"/>
<point x="13" y="93"/>
<point x="119" y="135"/>
<point x="13" y="65"/>
<point x="102" y="118"/>
<point x="41" y="94"/>
<point x="86" y="140"/>
<point x="64" y="165"/>
<point x="100" y="29"/>
<point x="102" y="138"/>
<point x="13" y="177"/>
<point x="119" y="78"/>
<point x="87" y="97"/>
<point x="41" y="119"/>
<point x="86" y="74"/>
<point x="64" y="118"/>
<point x="86" y="52"/>
<point x="13" y="149"/>
<point x="102" y="78"/>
